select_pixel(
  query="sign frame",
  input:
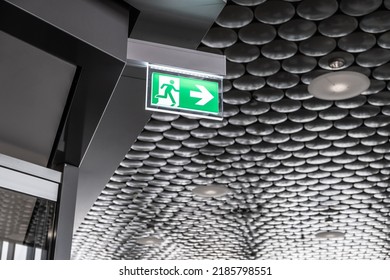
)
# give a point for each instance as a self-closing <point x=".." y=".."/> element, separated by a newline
<point x="186" y="74"/>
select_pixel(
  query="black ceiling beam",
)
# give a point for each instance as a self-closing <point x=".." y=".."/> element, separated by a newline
<point x="99" y="68"/>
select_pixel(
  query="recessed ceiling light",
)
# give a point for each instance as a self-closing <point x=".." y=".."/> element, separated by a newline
<point x="149" y="240"/>
<point x="329" y="234"/>
<point x="336" y="63"/>
<point x="339" y="85"/>
<point x="211" y="191"/>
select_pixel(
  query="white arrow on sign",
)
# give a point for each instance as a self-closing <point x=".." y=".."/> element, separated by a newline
<point x="204" y="95"/>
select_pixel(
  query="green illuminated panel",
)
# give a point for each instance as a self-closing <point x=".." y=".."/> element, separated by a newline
<point x="177" y="92"/>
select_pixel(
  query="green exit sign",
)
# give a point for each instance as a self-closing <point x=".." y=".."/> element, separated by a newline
<point x="184" y="92"/>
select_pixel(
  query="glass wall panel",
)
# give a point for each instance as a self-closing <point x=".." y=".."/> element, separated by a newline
<point x="26" y="226"/>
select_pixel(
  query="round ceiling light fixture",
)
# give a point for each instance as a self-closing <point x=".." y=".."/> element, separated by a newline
<point x="211" y="191"/>
<point x="329" y="234"/>
<point x="339" y="85"/>
<point x="149" y="241"/>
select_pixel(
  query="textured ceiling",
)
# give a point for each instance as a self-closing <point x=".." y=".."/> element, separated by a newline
<point x="294" y="165"/>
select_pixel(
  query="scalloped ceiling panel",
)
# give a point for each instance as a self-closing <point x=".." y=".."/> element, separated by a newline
<point x="291" y="162"/>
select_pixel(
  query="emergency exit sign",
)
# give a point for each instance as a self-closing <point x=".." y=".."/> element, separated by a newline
<point x="181" y="91"/>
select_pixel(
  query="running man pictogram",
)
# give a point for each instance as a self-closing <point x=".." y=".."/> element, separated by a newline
<point x="168" y="91"/>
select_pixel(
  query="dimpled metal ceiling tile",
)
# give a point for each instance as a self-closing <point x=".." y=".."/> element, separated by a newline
<point x="294" y="165"/>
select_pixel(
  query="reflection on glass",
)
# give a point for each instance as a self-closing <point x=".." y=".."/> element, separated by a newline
<point x="20" y="252"/>
<point x="4" y="250"/>
<point x="25" y="226"/>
